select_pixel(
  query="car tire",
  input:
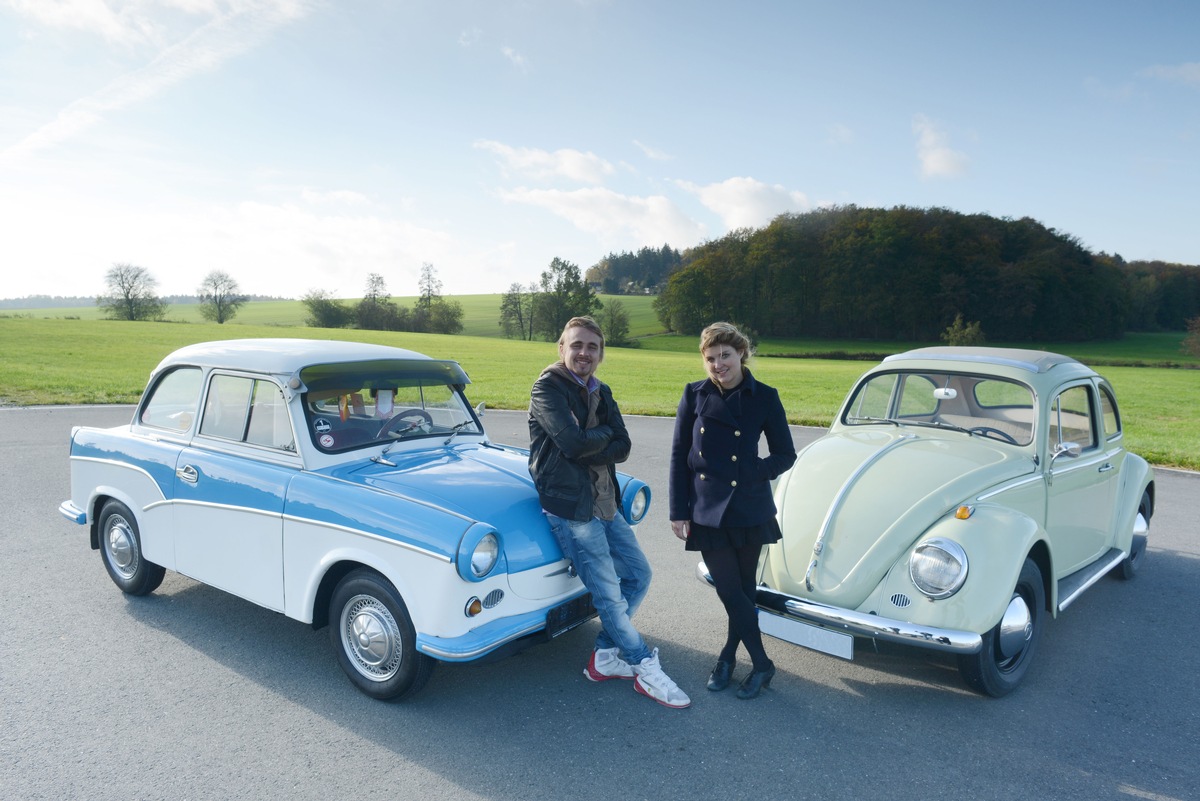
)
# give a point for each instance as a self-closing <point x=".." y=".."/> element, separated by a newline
<point x="121" y="551"/>
<point x="374" y="638"/>
<point x="1130" y="565"/>
<point x="1009" y="647"/>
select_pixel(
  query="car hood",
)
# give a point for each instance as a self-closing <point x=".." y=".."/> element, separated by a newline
<point x="874" y="492"/>
<point x="483" y="483"/>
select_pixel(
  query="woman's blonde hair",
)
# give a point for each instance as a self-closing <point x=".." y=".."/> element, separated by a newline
<point x="726" y="334"/>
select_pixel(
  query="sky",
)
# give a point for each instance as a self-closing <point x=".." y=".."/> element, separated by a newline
<point x="302" y="145"/>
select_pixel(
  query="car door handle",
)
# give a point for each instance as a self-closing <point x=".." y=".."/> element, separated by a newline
<point x="1104" y="468"/>
<point x="188" y="473"/>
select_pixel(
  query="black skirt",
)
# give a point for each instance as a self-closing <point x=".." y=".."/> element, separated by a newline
<point x="706" y="538"/>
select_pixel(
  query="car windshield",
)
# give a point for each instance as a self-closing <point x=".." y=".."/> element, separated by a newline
<point x="979" y="404"/>
<point x="365" y="404"/>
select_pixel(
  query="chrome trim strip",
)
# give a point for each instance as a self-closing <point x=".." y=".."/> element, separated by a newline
<point x="840" y="498"/>
<point x="379" y="538"/>
<point x="1036" y="478"/>
<point x="861" y="624"/>
<point x="458" y="656"/>
<point x="1099" y="573"/>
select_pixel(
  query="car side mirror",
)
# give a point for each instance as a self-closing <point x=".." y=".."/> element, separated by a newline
<point x="1068" y="449"/>
<point x="479" y="409"/>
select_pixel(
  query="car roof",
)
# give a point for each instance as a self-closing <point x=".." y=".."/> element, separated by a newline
<point x="282" y="356"/>
<point x="1014" y="361"/>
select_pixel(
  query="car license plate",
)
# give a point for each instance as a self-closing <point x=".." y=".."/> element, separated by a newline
<point x="565" y="617"/>
<point x="834" y="643"/>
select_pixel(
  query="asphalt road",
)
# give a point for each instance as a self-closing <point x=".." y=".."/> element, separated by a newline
<point x="194" y="694"/>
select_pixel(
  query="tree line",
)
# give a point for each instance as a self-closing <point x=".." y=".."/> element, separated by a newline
<point x="376" y="311"/>
<point x="908" y="274"/>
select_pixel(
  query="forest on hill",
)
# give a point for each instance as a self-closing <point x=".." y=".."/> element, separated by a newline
<point x="907" y="273"/>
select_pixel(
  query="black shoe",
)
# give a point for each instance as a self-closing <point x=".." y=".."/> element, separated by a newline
<point x="756" y="682"/>
<point x="719" y="678"/>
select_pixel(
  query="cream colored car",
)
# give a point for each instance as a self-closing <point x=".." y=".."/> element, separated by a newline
<point x="961" y="496"/>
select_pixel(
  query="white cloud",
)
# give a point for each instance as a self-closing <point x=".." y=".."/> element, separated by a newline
<point x="746" y="202"/>
<point x="204" y="50"/>
<point x="653" y="153"/>
<point x="617" y="219"/>
<point x="1186" y="73"/>
<point x="539" y="164"/>
<point x="937" y="158"/>
<point x="516" y="58"/>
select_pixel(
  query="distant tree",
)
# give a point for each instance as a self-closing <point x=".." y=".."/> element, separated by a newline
<point x="376" y="311"/>
<point x="1191" y="343"/>
<point x="563" y="294"/>
<point x="131" y="294"/>
<point x="614" y="321"/>
<point x="324" y="311"/>
<point x="434" y="313"/>
<point x="445" y="317"/>
<point x="959" y="333"/>
<point x="516" y="311"/>
<point x="219" y="298"/>
<point x="429" y="287"/>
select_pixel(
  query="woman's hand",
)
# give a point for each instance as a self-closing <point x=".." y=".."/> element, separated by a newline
<point x="681" y="528"/>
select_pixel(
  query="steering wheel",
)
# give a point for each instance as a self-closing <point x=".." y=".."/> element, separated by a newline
<point x="414" y="418"/>
<point x="1004" y="435"/>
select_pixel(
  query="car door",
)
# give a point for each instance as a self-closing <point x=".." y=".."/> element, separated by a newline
<point x="230" y="487"/>
<point x="1082" y="489"/>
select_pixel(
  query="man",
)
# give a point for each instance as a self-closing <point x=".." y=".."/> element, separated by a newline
<point x="576" y="437"/>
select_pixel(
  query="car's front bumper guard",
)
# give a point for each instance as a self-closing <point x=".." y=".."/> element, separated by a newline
<point x="860" y="624"/>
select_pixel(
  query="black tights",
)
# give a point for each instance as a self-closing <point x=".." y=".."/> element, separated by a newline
<point x="732" y="570"/>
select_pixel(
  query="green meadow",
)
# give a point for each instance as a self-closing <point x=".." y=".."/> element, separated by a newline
<point x="64" y="356"/>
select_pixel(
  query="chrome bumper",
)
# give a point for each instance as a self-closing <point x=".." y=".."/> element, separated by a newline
<point x="859" y="624"/>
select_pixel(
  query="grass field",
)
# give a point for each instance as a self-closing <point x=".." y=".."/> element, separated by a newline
<point x="57" y="360"/>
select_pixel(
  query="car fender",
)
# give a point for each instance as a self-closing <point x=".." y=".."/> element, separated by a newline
<point x="996" y="540"/>
<point x="1136" y="478"/>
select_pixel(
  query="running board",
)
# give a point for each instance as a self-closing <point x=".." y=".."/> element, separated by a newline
<point x="1073" y="585"/>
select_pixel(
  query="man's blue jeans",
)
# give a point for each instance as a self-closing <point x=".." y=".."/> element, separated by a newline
<point x="611" y="564"/>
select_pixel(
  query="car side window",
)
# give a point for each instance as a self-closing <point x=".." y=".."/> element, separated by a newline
<point x="172" y="403"/>
<point x="1071" y="418"/>
<point x="269" y="421"/>
<point x="247" y="410"/>
<point x="1112" y="419"/>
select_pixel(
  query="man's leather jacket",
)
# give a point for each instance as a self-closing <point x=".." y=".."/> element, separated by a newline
<point x="562" y="448"/>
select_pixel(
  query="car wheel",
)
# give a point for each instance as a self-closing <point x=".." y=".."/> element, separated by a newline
<point x="1009" y="647"/>
<point x="1137" y="548"/>
<point x="121" y="551"/>
<point x="374" y="637"/>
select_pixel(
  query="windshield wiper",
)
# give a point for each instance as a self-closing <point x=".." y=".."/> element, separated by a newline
<point x="458" y="427"/>
<point x="873" y="420"/>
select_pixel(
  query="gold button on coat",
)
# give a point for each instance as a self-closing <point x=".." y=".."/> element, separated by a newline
<point x="734" y="457"/>
<point x="733" y="483"/>
<point x="737" y="433"/>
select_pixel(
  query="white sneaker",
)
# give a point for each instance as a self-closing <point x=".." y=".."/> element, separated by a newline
<point x="606" y="664"/>
<point x="653" y="683"/>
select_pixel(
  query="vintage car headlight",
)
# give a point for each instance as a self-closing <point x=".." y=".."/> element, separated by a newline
<point x="483" y="558"/>
<point x="938" y="567"/>
<point x="478" y="553"/>
<point x="637" y="503"/>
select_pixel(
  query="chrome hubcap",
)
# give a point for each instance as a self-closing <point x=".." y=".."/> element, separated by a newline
<point x="122" y="551"/>
<point x="371" y="638"/>
<point x="1016" y="628"/>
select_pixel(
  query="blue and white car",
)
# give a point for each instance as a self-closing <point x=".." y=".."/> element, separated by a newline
<point x="338" y="483"/>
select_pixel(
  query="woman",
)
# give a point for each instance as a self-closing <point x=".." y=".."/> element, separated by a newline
<point x="720" y="491"/>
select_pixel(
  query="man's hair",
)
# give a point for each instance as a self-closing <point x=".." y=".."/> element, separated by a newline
<point x="726" y="334"/>
<point x="582" y="322"/>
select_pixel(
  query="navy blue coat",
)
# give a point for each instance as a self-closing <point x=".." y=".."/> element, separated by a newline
<point x="717" y="477"/>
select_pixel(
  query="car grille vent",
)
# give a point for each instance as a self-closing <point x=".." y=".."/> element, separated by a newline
<point x="494" y="597"/>
<point x="901" y="600"/>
